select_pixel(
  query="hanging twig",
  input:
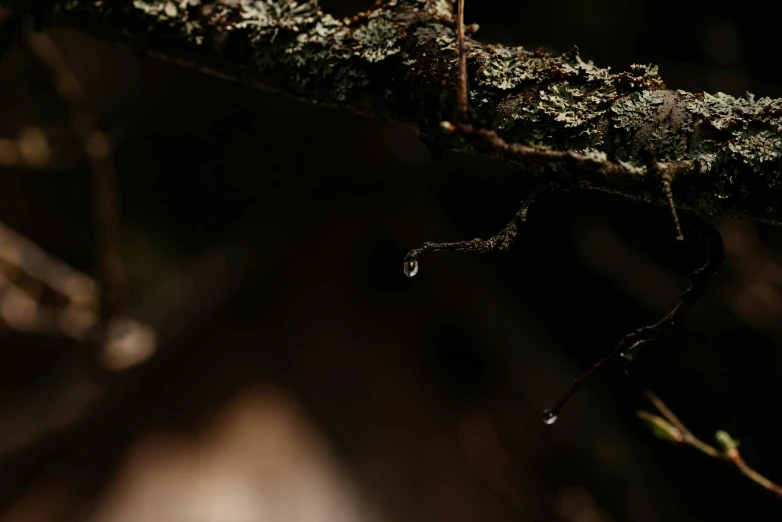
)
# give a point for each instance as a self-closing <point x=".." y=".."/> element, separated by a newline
<point x="632" y="341"/>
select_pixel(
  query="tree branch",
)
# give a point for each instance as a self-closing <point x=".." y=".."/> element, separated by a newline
<point x="721" y="156"/>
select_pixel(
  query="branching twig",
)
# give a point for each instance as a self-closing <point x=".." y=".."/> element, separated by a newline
<point x="671" y="428"/>
<point x="599" y="162"/>
<point x="489" y="138"/>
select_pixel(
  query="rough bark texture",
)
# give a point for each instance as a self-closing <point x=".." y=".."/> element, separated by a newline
<point x="399" y="62"/>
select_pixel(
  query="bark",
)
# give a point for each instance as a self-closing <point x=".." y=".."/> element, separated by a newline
<point x="398" y="62"/>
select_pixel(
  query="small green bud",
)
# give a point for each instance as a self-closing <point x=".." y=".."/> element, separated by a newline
<point x="661" y="427"/>
<point x="726" y="444"/>
<point x="447" y="127"/>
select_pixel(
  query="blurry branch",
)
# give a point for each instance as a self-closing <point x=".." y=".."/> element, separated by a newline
<point x="96" y="147"/>
<point x="570" y="122"/>
<point x="22" y="310"/>
<point x="26" y="271"/>
<point x="44" y="149"/>
<point x="670" y="428"/>
<point x="96" y="312"/>
<point x="121" y="341"/>
<point x="31" y="149"/>
<point x="9" y="30"/>
<point x="103" y="320"/>
<point x="82" y="414"/>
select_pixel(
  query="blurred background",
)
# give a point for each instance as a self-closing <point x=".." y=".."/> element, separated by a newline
<point x="281" y="367"/>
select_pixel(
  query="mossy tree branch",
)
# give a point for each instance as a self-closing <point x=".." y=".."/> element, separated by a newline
<point x="398" y="62"/>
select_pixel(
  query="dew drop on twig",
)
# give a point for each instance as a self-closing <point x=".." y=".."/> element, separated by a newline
<point x="410" y="266"/>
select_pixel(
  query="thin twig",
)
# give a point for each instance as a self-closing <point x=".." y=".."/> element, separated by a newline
<point x="630" y="342"/>
<point x="519" y="151"/>
<point x="533" y="196"/>
<point x="677" y="432"/>
<point x="666" y="179"/>
<point x="462" y="108"/>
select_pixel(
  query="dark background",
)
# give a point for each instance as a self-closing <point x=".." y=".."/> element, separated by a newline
<point x="292" y="222"/>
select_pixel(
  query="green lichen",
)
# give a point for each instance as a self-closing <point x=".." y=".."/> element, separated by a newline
<point x="505" y="68"/>
<point x="165" y="9"/>
<point x="173" y="15"/>
<point x="646" y="71"/>
<point x="573" y="65"/>
<point x="723" y="111"/>
<point x="314" y="51"/>
<point x="269" y="17"/>
<point x="635" y="110"/>
<point x="668" y="143"/>
<point x="574" y="106"/>
<point x="754" y="138"/>
<point x="322" y="54"/>
<point x="597" y="156"/>
<point x="444" y="37"/>
<point x="441" y="9"/>
<point x="633" y="167"/>
<point x="756" y="147"/>
<point x="565" y="113"/>
<point x="378" y="40"/>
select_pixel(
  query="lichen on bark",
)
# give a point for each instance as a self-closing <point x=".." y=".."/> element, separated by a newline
<point x="398" y="61"/>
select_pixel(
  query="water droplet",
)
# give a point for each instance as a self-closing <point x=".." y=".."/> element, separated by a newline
<point x="549" y="417"/>
<point x="411" y="266"/>
<point x="633" y="350"/>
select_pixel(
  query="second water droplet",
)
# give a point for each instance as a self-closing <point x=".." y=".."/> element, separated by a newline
<point x="549" y="417"/>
